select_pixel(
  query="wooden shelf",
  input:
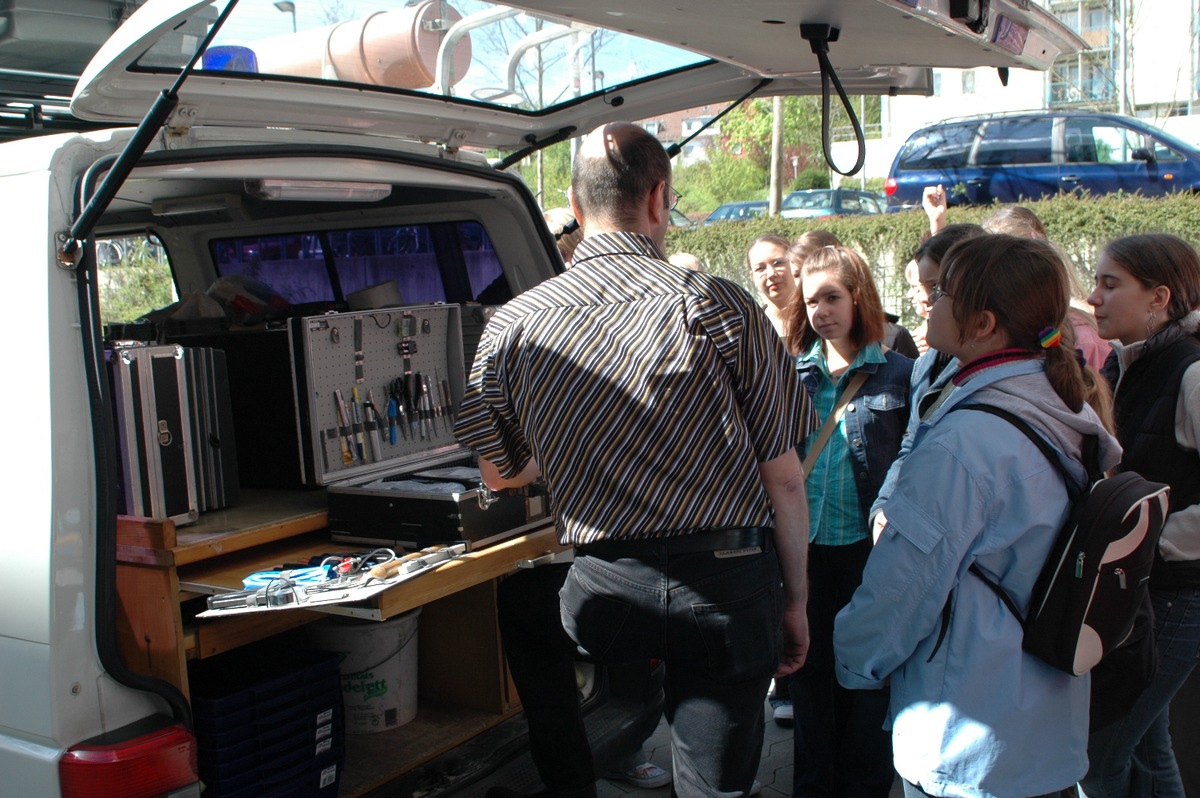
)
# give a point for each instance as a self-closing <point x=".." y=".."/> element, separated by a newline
<point x="463" y="679"/>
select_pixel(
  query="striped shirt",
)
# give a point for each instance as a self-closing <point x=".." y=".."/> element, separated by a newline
<point x="647" y="393"/>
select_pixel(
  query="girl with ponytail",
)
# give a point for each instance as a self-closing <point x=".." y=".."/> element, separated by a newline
<point x="973" y="714"/>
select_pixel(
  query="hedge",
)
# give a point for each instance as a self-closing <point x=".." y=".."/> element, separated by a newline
<point x="1079" y="225"/>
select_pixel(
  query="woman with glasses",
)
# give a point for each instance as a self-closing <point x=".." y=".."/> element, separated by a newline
<point x="973" y="715"/>
<point x="771" y="273"/>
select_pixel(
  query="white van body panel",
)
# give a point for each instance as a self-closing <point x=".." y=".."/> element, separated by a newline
<point x="54" y="691"/>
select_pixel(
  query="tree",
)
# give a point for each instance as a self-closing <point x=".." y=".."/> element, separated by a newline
<point x="134" y="279"/>
<point x="746" y="130"/>
<point x="722" y="178"/>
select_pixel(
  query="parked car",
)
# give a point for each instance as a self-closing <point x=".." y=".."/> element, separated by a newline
<point x="291" y="159"/>
<point x="1026" y="156"/>
<point x="679" y="219"/>
<point x="737" y="211"/>
<point x="829" y="202"/>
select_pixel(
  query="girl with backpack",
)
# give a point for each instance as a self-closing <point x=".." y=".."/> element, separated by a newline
<point x="972" y="713"/>
<point x="836" y="325"/>
<point x="1146" y="295"/>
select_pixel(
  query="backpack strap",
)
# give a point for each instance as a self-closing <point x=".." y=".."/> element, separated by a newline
<point x="1091" y="445"/>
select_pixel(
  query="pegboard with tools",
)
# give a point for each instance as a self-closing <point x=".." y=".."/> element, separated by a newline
<point x="382" y="388"/>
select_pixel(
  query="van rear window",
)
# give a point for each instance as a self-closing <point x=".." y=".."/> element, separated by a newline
<point x="945" y="147"/>
<point x="436" y="262"/>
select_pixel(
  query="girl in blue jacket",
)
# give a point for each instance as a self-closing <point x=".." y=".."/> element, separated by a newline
<point x="841" y="748"/>
<point x="972" y="714"/>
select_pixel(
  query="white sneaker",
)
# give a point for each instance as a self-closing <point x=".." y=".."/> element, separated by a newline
<point x="646" y="775"/>
<point x="783" y="713"/>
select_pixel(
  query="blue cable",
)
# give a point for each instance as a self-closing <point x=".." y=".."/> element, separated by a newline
<point x="300" y="576"/>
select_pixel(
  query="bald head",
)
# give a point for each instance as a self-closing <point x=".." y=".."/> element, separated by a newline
<point x="617" y="169"/>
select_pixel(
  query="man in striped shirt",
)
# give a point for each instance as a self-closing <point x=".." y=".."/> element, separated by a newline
<point x="663" y="412"/>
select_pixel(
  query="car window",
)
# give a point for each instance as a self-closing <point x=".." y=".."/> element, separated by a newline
<point x="944" y="147"/>
<point x="135" y="277"/>
<point x="807" y="199"/>
<point x="437" y="262"/>
<point x="1096" y="141"/>
<point x="1009" y="141"/>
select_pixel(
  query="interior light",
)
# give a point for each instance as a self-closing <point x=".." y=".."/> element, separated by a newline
<point x="317" y="190"/>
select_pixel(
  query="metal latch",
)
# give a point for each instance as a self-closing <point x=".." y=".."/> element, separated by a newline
<point x="485" y="496"/>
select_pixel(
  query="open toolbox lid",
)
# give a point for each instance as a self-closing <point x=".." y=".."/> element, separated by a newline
<point x="381" y="390"/>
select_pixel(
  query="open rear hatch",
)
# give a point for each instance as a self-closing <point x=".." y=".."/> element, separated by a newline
<point x="467" y="73"/>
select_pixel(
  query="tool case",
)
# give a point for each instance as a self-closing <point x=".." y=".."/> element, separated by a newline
<point x="153" y="420"/>
<point x="383" y="387"/>
<point x="363" y="404"/>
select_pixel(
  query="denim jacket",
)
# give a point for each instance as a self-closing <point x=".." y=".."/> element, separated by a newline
<point x="874" y="421"/>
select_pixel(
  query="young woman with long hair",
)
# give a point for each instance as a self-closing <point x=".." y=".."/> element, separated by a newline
<point x="1146" y="295"/>
<point x="859" y="389"/>
<point x="972" y="713"/>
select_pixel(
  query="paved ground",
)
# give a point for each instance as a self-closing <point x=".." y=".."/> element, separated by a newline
<point x="775" y="770"/>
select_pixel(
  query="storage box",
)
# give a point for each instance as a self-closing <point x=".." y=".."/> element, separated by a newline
<point x="153" y="420"/>
<point x="214" y="446"/>
<point x="269" y="721"/>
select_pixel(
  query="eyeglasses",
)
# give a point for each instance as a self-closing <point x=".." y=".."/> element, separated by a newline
<point x="675" y="197"/>
<point x="779" y="264"/>
<point x="937" y="293"/>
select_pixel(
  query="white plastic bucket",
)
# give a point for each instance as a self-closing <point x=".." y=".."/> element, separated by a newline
<point x="378" y="666"/>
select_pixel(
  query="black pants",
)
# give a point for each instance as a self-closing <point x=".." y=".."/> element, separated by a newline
<point x="541" y="659"/>
<point x="841" y="747"/>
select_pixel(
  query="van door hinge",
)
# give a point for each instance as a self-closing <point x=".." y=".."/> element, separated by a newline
<point x="179" y="127"/>
<point x="455" y="140"/>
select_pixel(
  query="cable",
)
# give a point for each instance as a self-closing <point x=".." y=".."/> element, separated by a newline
<point x="819" y="36"/>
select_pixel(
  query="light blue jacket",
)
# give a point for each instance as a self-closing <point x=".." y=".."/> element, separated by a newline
<point x="921" y="382"/>
<point x="982" y="718"/>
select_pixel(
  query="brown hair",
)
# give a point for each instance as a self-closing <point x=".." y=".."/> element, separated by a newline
<point x="807" y="243"/>
<point x="848" y="267"/>
<point x="1155" y="259"/>
<point x="1023" y="283"/>
<point x="1015" y="220"/>
<point x="766" y="238"/>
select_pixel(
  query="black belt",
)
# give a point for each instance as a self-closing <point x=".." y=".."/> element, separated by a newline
<point x="690" y="543"/>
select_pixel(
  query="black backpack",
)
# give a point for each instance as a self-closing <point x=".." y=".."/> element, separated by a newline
<point x="1095" y="580"/>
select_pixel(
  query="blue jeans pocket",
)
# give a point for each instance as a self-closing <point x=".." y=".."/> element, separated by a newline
<point x="591" y="615"/>
<point x="741" y="637"/>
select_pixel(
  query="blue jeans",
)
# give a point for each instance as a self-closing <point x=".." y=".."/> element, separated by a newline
<point x="715" y="622"/>
<point x="1133" y="757"/>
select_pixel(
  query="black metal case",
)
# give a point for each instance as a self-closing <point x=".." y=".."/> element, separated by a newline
<point x="153" y="419"/>
<point x="214" y="446"/>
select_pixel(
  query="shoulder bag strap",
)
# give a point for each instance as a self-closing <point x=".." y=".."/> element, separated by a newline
<point x="835" y="416"/>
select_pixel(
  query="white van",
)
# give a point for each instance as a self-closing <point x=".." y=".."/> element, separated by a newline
<point x="307" y="159"/>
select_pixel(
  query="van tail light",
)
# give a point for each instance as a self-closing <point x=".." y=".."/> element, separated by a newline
<point x="889" y="187"/>
<point x="153" y="764"/>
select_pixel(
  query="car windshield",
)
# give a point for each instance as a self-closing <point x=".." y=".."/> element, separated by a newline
<point x="469" y="51"/>
<point x="808" y="199"/>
